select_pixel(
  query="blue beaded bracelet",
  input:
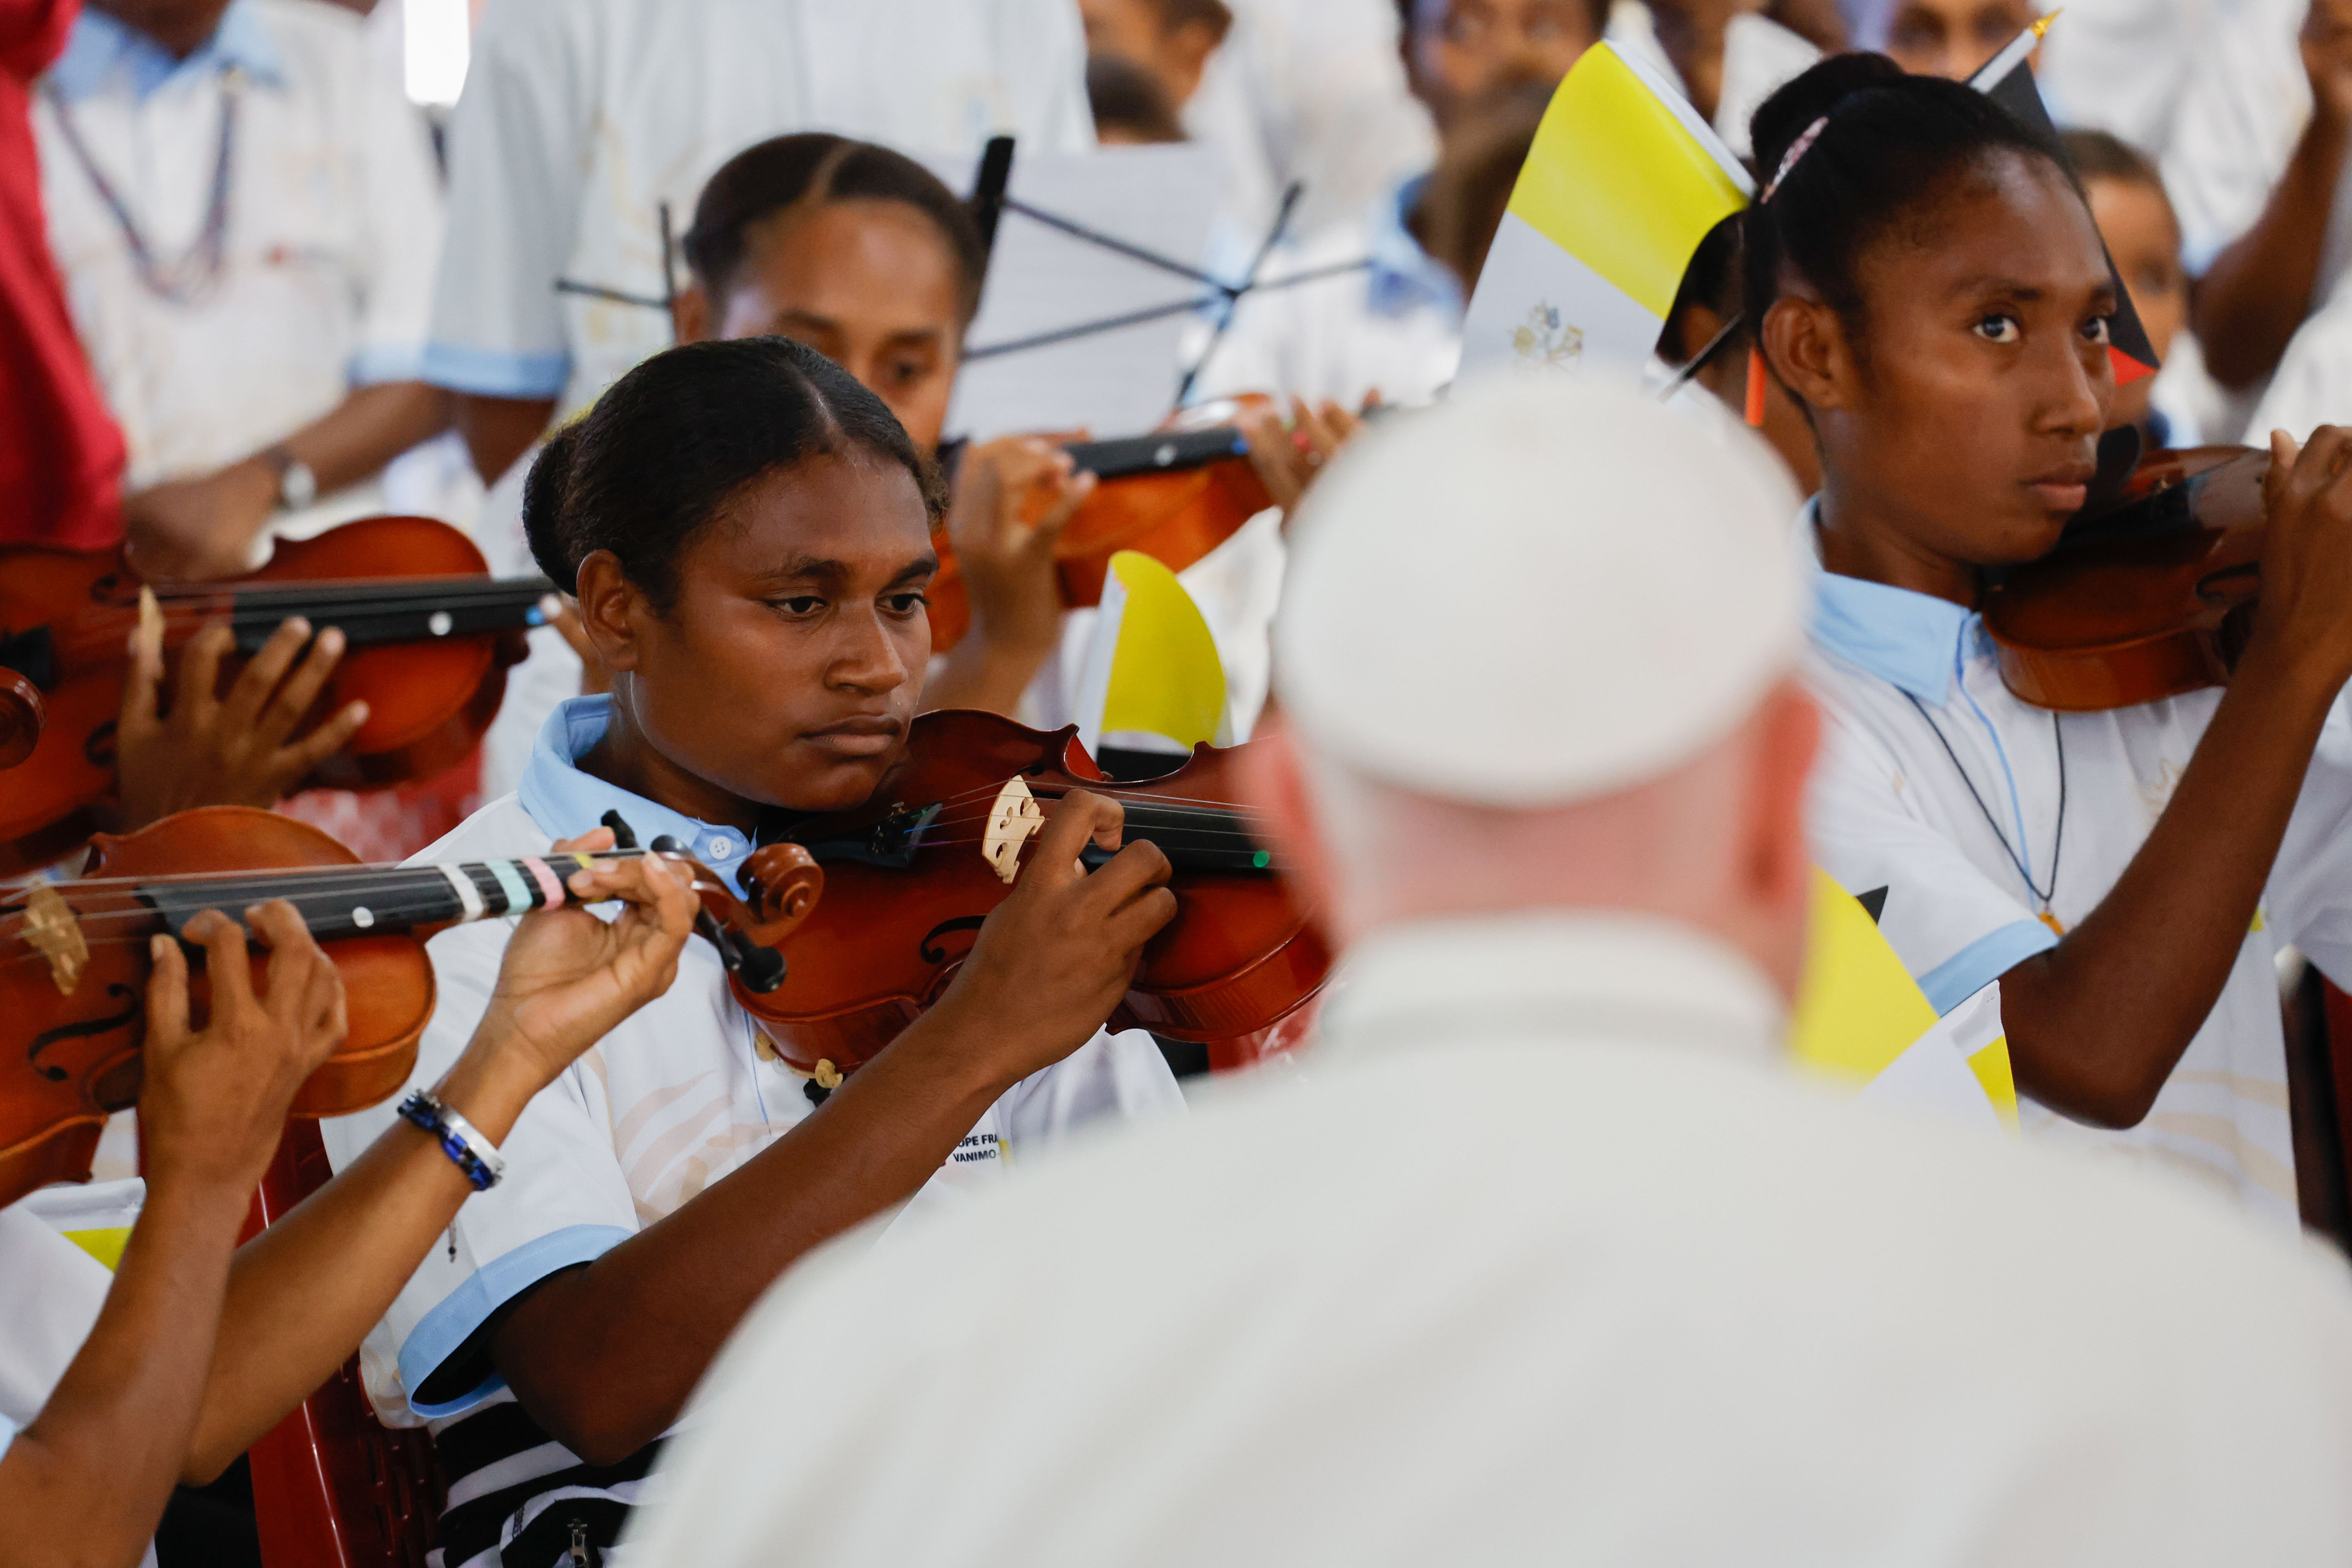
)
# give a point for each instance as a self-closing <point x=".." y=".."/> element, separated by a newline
<point x="474" y="1156"/>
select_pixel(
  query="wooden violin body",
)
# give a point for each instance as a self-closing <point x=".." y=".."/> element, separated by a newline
<point x="430" y="637"/>
<point x="907" y="885"/>
<point x="1175" y="496"/>
<point x="73" y="1051"/>
<point x="2152" y="598"/>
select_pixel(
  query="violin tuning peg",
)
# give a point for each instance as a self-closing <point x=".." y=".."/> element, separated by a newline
<point x="624" y="837"/>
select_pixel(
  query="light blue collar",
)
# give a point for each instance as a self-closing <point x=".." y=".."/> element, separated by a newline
<point x="565" y="802"/>
<point x="103" y="53"/>
<point x="1404" y="277"/>
<point x="1913" y="640"/>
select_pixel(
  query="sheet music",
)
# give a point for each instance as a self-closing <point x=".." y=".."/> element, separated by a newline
<point x="1117" y="382"/>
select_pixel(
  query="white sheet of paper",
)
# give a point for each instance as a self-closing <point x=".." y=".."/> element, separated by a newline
<point x="1162" y="198"/>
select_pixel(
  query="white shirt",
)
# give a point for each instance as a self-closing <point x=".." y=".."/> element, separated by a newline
<point x="333" y="216"/>
<point x="1387" y="320"/>
<point x="2121" y="66"/>
<point x="1890" y="811"/>
<point x="2237" y="120"/>
<point x="580" y="118"/>
<point x="2312" y="384"/>
<point x="51" y="1292"/>
<point x="1542" y="1257"/>
<point x="1758" y="55"/>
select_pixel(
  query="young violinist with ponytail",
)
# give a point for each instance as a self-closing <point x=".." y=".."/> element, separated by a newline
<point x="862" y="254"/>
<point x="1931" y="288"/>
<point x="748" y="532"/>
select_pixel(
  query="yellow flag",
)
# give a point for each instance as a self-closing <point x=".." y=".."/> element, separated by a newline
<point x="1625" y="179"/>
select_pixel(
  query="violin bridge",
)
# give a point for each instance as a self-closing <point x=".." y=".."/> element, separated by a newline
<point x="1012" y="821"/>
<point x="51" y="928"/>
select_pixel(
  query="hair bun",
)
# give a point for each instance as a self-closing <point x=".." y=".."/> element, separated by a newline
<point x="1781" y="119"/>
<point x="543" y="507"/>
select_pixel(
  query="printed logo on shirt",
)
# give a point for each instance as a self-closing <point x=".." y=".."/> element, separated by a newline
<point x="977" y="1147"/>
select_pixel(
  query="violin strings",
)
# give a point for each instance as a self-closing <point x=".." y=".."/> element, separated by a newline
<point x="298" y="872"/>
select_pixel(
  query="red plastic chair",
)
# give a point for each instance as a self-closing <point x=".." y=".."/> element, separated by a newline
<point x="333" y="1486"/>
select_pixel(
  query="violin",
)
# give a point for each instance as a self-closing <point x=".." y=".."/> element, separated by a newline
<point x="430" y="636"/>
<point x="1175" y="496"/>
<point x="909" y="878"/>
<point x="74" y="959"/>
<point x="2150" y="597"/>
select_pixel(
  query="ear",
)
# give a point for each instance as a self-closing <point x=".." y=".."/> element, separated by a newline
<point x="692" y="317"/>
<point x="613" y="610"/>
<point x="1274" y="786"/>
<point x="1805" y="344"/>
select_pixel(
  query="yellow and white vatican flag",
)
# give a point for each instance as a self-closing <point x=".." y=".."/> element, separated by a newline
<point x="1861" y="1023"/>
<point x="1623" y="181"/>
<point x="1151" y="680"/>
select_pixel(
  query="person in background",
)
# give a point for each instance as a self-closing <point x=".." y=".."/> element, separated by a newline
<point x="2256" y="167"/>
<point x="862" y="254"/>
<point x="1130" y="107"/>
<point x="1951" y="38"/>
<point x="246" y="211"/>
<point x="61" y="453"/>
<point x="570" y="138"/>
<point x="1706" y="303"/>
<point x="1170" y="40"/>
<point x="1630" y="1290"/>
<point x="2136" y="219"/>
<point x="1390" y="325"/>
<point x="1727" y="55"/>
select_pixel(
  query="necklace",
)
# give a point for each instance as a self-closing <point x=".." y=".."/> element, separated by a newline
<point x="195" y="272"/>
<point x="2058" y="840"/>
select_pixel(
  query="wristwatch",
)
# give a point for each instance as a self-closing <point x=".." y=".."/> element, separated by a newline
<point x="298" y="487"/>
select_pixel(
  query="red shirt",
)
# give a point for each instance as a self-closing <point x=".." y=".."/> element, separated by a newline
<point x="61" y="455"/>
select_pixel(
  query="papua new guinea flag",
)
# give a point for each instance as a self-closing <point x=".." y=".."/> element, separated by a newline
<point x="2007" y="80"/>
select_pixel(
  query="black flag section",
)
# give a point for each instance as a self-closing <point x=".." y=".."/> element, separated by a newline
<point x="2007" y="80"/>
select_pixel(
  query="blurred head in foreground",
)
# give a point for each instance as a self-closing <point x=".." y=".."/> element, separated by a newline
<point x="1535" y="651"/>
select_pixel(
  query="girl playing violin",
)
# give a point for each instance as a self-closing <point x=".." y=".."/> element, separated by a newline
<point x="1931" y="288"/>
<point x="864" y="255"/>
<point x="748" y="532"/>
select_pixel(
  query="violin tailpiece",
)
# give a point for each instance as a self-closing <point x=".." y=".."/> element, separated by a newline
<point x="51" y="928"/>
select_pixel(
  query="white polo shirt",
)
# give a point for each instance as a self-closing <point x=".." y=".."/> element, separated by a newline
<point x="581" y="116"/>
<point x="2235" y="123"/>
<point x="2312" y="384"/>
<point x="1543" y="1257"/>
<point x="675" y="1098"/>
<point x="1901" y="675"/>
<point x="51" y="1295"/>
<point x="329" y="218"/>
